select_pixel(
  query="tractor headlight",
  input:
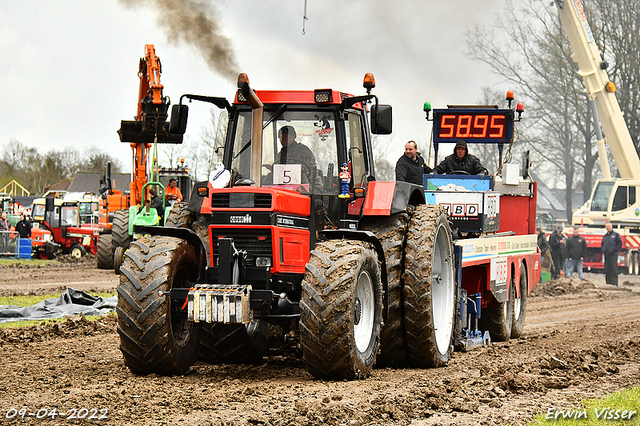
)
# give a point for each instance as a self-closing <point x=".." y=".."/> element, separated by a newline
<point x="263" y="261"/>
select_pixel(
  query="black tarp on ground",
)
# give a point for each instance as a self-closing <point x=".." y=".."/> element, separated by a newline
<point x="70" y="303"/>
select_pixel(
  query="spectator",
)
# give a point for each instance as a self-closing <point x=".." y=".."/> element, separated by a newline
<point x="4" y="231"/>
<point x="23" y="227"/>
<point x="411" y="167"/>
<point x="576" y="252"/>
<point x="611" y="246"/>
<point x="556" y="241"/>
<point x="543" y="245"/>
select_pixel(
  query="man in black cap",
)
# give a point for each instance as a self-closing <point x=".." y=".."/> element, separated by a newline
<point x="410" y="167"/>
<point x="461" y="162"/>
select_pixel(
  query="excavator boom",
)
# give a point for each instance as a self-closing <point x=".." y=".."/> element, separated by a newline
<point x="600" y="89"/>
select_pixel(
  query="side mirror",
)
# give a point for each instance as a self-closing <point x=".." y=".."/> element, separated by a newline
<point x="49" y="204"/>
<point x="381" y="119"/>
<point x="178" y="123"/>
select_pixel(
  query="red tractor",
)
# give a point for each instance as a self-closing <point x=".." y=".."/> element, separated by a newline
<point x="282" y="243"/>
<point x="69" y="224"/>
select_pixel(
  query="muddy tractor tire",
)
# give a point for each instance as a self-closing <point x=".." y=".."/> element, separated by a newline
<point x="179" y="216"/>
<point x="234" y="343"/>
<point x="430" y="289"/>
<point x="120" y="230"/>
<point x="391" y="232"/>
<point x="498" y="317"/>
<point x="520" y="304"/>
<point x="77" y="251"/>
<point x="155" y="335"/>
<point x="341" y="310"/>
<point x="105" y="252"/>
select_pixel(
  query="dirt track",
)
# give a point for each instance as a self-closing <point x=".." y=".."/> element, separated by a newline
<point x="581" y="340"/>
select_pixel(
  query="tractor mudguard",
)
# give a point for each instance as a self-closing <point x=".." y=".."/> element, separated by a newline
<point x="185" y="234"/>
<point x="387" y="198"/>
<point x="198" y="194"/>
<point x="366" y="236"/>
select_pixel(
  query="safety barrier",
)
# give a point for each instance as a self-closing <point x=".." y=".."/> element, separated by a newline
<point x="9" y="244"/>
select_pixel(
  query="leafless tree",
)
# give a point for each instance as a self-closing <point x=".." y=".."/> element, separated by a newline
<point x="529" y="49"/>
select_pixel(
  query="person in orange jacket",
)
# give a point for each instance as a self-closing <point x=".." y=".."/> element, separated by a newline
<point x="172" y="193"/>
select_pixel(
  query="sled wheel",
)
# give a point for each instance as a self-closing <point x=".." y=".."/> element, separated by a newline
<point x="497" y="318"/>
<point x="341" y="310"/>
<point x="155" y="335"/>
<point x="105" y="252"/>
<point x="429" y="288"/>
<point x="520" y="304"/>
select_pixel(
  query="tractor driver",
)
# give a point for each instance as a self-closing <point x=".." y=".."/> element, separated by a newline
<point x="461" y="162"/>
<point x="173" y="194"/>
<point x="294" y="152"/>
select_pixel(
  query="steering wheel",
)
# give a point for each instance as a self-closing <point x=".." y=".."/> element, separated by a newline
<point x="459" y="172"/>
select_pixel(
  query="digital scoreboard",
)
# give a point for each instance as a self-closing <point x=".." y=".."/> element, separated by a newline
<point x="474" y="125"/>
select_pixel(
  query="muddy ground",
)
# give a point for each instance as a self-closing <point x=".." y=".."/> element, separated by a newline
<point x="581" y="341"/>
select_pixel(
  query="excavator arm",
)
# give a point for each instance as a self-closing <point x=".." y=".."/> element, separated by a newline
<point x="150" y="125"/>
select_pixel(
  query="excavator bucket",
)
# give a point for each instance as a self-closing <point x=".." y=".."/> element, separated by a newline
<point x="133" y="131"/>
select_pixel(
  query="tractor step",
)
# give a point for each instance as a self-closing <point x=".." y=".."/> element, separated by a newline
<point x="228" y="304"/>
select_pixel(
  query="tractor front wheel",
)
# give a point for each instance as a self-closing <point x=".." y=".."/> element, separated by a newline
<point x="120" y="229"/>
<point x="155" y="334"/>
<point x="77" y="251"/>
<point x="341" y="310"/>
<point x="105" y="252"/>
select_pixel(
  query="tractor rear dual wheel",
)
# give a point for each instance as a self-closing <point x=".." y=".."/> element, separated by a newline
<point x="392" y="232"/>
<point x="155" y="334"/>
<point x="430" y="289"/>
<point x="341" y="310"/>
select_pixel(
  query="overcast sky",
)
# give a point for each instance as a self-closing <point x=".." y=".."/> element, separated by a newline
<point x="69" y="67"/>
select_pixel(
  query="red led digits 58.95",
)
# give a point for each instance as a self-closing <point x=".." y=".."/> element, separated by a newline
<point x="472" y="126"/>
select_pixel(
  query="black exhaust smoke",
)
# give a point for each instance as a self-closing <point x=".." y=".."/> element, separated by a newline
<point x="195" y="23"/>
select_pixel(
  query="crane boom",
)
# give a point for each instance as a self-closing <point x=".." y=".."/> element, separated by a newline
<point x="599" y="89"/>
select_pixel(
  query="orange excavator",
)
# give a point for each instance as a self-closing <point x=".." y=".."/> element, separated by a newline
<point x="149" y="126"/>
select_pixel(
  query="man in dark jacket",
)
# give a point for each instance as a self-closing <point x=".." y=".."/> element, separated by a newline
<point x="23" y="227"/>
<point x="410" y="167"/>
<point x="611" y="246"/>
<point x="576" y="252"/>
<point x="156" y="203"/>
<point x="461" y="162"/>
<point x="556" y="241"/>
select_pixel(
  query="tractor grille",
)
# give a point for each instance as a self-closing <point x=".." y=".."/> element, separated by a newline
<point x="256" y="242"/>
<point x="241" y="200"/>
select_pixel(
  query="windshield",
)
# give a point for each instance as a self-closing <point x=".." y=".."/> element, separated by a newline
<point x="601" y="196"/>
<point x="299" y="151"/>
<point x="69" y="216"/>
